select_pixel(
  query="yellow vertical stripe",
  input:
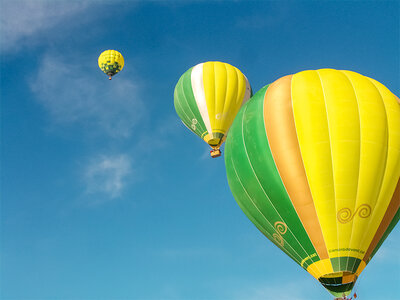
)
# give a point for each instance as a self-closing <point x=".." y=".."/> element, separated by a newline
<point x="209" y="90"/>
<point x="372" y="159"/>
<point x="228" y="111"/>
<point x="344" y="131"/>
<point x="224" y="89"/>
<point x="241" y="88"/>
<point x="392" y="165"/>
<point x="221" y="81"/>
<point x="232" y="106"/>
<point x="313" y="134"/>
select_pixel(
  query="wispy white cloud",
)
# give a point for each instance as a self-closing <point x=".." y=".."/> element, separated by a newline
<point x="74" y="93"/>
<point x="107" y="176"/>
<point x="23" y="20"/>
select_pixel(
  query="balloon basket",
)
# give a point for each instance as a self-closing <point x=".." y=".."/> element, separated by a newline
<point x="215" y="153"/>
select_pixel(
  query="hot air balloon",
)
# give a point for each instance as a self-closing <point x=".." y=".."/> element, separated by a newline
<point x="207" y="98"/>
<point x="313" y="160"/>
<point x="111" y="62"/>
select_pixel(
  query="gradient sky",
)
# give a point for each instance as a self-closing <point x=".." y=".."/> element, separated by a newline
<point x="106" y="195"/>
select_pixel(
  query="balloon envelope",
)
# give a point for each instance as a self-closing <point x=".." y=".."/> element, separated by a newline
<point x="314" y="161"/>
<point x="207" y="98"/>
<point x="111" y="62"/>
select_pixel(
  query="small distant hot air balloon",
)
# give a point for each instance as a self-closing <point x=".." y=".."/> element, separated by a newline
<point x="111" y="62"/>
<point x="313" y="160"/>
<point x="207" y="98"/>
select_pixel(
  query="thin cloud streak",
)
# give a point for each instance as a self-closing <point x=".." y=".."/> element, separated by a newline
<point x="72" y="93"/>
<point x="107" y="175"/>
<point x="22" y="21"/>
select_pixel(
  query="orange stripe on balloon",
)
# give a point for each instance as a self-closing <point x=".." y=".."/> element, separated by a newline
<point x="282" y="137"/>
<point x="388" y="217"/>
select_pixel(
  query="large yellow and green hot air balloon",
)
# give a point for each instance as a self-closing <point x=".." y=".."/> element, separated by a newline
<point x="111" y="62"/>
<point x="314" y="161"/>
<point x="207" y="98"/>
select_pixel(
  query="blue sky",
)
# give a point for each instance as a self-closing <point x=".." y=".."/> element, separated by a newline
<point x="106" y="195"/>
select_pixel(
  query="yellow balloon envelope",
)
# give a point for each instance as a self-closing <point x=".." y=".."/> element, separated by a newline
<point x="111" y="62"/>
<point x="314" y="161"/>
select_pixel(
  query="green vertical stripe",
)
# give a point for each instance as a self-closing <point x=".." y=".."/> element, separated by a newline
<point x="345" y="263"/>
<point x="243" y="198"/>
<point x="257" y="186"/>
<point x="186" y="106"/>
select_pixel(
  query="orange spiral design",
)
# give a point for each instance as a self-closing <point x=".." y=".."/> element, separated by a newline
<point x="281" y="227"/>
<point x="345" y="215"/>
<point x="278" y="238"/>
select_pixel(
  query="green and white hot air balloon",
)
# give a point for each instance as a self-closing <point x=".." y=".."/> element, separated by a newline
<point x="207" y="98"/>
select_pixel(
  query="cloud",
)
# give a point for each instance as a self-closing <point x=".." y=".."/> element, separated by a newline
<point x="74" y="92"/>
<point x="107" y="175"/>
<point x="22" y="21"/>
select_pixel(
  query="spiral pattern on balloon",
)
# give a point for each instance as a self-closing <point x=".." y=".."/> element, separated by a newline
<point x="280" y="227"/>
<point x="193" y="125"/>
<point x="364" y="211"/>
<point x="345" y="215"/>
<point x="278" y="238"/>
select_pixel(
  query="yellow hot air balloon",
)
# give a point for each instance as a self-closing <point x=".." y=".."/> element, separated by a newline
<point x="314" y="161"/>
<point x="207" y="98"/>
<point x="111" y="62"/>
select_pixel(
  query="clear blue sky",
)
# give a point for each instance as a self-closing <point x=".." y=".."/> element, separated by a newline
<point x="106" y="195"/>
